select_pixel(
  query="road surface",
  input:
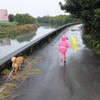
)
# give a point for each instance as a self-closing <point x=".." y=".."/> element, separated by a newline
<point x="77" y="79"/>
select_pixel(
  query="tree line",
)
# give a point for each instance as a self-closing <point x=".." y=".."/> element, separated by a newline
<point x="22" y="19"/>
<point x="86" y="10"/>
<point x="53" y="20"/>
<point x="57" y="20"/>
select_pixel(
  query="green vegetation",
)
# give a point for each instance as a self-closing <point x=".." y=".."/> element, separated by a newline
<point x="7" y="90"/>
<point x="20" y="77"/>
<point x="16" y="30"/>
<point x="5" y="71"/>
<point x="6" y="24"/>
<point x="19" y="24"/>
<point x="4" y="93"/>
<point x="25" y="19"/>
<point x="11" y="17"/>
<point x="11" y="85"/>
<point x="57" y="20"/>
<point x="92" y="42"/>
<point x="88" y="11"/>
<point x="22" y="19"/>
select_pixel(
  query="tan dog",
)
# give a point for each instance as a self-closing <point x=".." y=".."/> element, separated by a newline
<point x="16" y="63"/>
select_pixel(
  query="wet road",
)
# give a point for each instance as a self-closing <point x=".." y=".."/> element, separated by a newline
<point x="77" y="79"/>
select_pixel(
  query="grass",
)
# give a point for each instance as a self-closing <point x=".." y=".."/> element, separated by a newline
<point x="8" y="23"/>
<point x="5" y="92"/>
<point x="36" y="71"/>
<point x="5" y="71"/>
<point x="15" y="30"/>
<point x="25" y="56"/>
<point x="29" y="70"/>
<point x="33" y="62"/>
<point x="11" y="85"/>
<point x="25" y="73"/>
<point x="20" y="77"/>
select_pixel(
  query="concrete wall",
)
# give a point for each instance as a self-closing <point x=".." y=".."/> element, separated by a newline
<point x="29" y="49"/>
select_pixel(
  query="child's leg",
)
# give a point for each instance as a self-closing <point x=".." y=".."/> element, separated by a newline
<point x="61" y="57"/>
<point x="65" y="57"/>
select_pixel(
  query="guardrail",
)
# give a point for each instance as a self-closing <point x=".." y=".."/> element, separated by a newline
<point x="29" y="48"/>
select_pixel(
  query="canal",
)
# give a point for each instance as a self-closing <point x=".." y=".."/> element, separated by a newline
<point x="9" y="45"/>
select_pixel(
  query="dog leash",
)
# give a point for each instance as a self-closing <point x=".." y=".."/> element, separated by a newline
<point x="6" y="81"/>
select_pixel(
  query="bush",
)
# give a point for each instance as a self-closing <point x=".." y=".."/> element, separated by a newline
<point x="25" y="19"/>
<point x="16" y="30"/>
<point x="92" y="42"/>
<point x="11" y="17"/>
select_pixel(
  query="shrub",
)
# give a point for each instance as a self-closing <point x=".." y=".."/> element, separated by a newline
<point x="16" y="30"/>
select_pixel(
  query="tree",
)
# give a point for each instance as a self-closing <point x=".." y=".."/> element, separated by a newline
<point x="25" y="19"/>
<point x="11" y="17"/>
<point x="86" y="10"/>
<point x="57" y="20"/>
<point x="19" y="18"/>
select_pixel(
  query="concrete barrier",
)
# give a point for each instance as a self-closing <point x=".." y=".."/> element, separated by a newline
<point x="29" y="48"/>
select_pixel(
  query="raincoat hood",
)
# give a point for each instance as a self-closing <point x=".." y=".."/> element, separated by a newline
<point x="63" y="38"/>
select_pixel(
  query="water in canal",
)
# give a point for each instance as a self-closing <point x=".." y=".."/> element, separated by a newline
<point x="9" y="45"/>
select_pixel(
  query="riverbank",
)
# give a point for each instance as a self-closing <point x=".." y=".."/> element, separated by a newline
<point x="14" y="29"/>
<point x="92" y="42"/>
<point x="7" y="24"/>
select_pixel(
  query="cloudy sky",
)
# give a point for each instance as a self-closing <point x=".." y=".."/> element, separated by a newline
<point x="33" y="7"/>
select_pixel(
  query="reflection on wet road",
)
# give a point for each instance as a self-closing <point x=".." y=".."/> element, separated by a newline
<point x="77" y="79"/>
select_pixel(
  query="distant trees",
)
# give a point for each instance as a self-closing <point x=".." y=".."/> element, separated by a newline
<point x="11" y="17"/>
<point x="57" y="20"/>
<point x="86" y="10"/>
<point x="23" y="19"/>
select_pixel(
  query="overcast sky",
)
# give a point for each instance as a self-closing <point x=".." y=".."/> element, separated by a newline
<point x="33" y="7"/>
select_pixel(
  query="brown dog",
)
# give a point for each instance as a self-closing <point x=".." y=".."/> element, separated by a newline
<point x="16" y="63"/>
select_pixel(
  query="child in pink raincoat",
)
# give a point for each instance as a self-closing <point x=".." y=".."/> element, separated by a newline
<point x="63" y="45"/>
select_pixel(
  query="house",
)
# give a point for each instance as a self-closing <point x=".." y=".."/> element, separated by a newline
<point x="4" y="15"/>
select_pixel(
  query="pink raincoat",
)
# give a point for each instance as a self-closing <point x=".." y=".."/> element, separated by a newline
<point x="63" y="45"/>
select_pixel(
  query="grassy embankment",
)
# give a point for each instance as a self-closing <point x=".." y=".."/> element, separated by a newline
<point x="28" y="69"/>
<point x="10" y="29"/>
<point x="93" y="42"/>
<point x="7" y="23"/>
